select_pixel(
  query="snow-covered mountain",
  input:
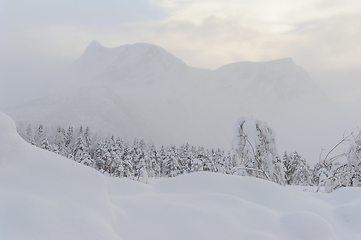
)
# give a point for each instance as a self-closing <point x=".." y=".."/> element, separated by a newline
<point x="45" y="196"/>
<point x="143" y="91"/>
<point x="130" y="64"/>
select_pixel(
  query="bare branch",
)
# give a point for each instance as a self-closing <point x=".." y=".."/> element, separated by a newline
<point x="343" y="139"/>
<point x="258" y="161"/>
<point x="337" y="157"/>
<point x="319" y="158"/>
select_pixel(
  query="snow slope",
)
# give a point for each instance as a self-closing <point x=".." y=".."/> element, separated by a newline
<point x="142" y="91"/>
<point x="46" y="196"/>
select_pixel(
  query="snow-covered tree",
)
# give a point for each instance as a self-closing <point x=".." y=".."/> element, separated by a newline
<point x="154" y="160"/>
<point x="297" y="171"/>
<point x="81" y="150"/>
<point x="210" y="160"/>
<point x="144" y="173"/>
<point x="138" y="155"/>
<point x="127" y="162"/>
<point x="29" y="134"/>
<point x="170" y="164"/>
<point x="255" y="147"/>
<point x="88" y="142"/>
<point x="57" y="142"/>
<point x="183" y="158"/>
<point x="197" y="160"/>
<point x="162" y="155"/>
<point x="39" y="135"/>
<point x="342" y="170"/>
<point x="353" y="155"/>
<point x="103" y="157"/>
<point x="45" y="144"/>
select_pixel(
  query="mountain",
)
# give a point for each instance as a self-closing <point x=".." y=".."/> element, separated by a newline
<point x="142" y="91"/>
<point x="130" y="63"/>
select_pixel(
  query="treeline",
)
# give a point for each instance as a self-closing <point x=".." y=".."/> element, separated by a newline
<point x="115" y="157"/>
<point x="332" y="172"/>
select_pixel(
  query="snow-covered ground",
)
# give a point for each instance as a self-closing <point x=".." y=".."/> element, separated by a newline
<point x="46" y="196"/>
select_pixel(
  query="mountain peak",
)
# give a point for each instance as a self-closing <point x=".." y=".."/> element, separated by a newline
<point x="145" y="53"/>
<point x="124" y="62"/>
<point x="92" y="50"/>
<point x="94" y="45"/>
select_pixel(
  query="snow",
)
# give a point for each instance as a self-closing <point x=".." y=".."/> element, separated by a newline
<point x="248" y="127"/>
<point x="43" y="196"/>
<point x="46" y="196"/>
<point x="142" y="91"/>
<point x="129" y="64"/>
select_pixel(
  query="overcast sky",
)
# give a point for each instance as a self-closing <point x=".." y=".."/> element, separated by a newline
<point x="323" y="36"/>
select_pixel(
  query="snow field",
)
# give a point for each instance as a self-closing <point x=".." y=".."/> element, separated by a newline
<point x="46" y="196"/>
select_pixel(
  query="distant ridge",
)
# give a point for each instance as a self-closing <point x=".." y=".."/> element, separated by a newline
<point x="142" y="91"/>
<point x="128" y="63"/>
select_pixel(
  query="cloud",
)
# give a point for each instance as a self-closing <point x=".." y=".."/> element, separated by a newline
<point x="203" y="33"/>
<point x="334" y="41"/>
<point x="78" y="12"/>
<point x="322" y="36"/>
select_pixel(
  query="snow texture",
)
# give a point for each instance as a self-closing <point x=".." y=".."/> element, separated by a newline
<point x="45" y="196"/>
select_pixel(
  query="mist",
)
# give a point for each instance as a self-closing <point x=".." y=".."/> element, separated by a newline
<point x="40" y="42"/>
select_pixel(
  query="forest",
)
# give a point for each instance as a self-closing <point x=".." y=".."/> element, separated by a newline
<point x="140" y="160"/>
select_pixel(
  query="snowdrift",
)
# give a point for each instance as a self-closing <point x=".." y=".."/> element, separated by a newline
<point x="46" y="196"/>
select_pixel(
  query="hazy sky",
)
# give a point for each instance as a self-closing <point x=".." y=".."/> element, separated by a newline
<point x="323" y="36"/>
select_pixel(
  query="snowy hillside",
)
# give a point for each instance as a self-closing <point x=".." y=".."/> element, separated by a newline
<point x="142" y="91"/>
<point x="45" y="196"/>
